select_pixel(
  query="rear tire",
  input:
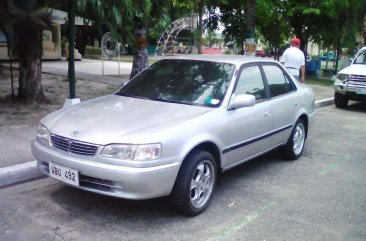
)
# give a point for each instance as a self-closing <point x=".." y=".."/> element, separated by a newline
<point x="340" y="101"/>
<point x="195" y="184"/>
<point x="296" y="142"/>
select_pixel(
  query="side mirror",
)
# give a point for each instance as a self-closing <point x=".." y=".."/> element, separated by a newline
<point x="243" y="100"/>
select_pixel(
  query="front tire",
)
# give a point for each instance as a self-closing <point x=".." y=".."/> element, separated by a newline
<point x="340" y="101"/>
<point x="295" y="144"/>
<point x="195" y="183"/>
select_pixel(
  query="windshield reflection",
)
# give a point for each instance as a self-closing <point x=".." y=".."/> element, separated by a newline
<point x="192" y="82"/>
<point x="361" y="58"/>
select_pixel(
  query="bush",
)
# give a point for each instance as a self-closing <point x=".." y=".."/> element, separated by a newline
<point x="92" y="50"/>
<point x="227" y="51"/>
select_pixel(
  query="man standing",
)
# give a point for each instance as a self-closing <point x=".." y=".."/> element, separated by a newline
<point x="294" y="60"/>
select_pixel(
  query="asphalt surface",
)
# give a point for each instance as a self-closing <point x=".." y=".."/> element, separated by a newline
<point x="321" y="196"/>
<point x="17" y="143"/>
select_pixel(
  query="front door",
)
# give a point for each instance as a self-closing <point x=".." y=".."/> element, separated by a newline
<point x="249" y="126"/>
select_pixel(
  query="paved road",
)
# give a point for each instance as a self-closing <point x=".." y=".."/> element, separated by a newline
<point x="321" y="196"/>
<point x="16" y="146"/>
<point x="90" y="66"/>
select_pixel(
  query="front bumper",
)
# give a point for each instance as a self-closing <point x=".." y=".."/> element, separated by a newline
<point x="111" y="180"/>
<point x="353" y="91"/>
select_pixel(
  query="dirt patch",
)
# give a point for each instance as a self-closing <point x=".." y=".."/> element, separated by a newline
<point x="15" y="115"/>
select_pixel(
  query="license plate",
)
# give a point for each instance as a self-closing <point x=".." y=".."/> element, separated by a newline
<point x="64" y="174"/>
<point x="361" y="91"/>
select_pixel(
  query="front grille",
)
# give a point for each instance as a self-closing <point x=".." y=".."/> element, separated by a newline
<point x="73" y="146"/>
<point x="98" y="184"/>
<point x="358" y="78"/>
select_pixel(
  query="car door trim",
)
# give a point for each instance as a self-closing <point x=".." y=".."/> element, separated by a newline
<point x="248" y="142"/>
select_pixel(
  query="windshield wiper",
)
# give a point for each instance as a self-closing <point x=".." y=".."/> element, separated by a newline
<point x="133" y="96"/>
<point x="172" y="101"/>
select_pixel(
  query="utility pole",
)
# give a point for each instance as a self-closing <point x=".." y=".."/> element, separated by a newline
<point x="71" y="38"/>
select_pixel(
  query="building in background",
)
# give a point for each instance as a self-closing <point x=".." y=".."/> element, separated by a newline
<point x="52" y="49"/>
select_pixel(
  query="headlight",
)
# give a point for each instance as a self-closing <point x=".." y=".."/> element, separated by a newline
<point x="132" y="152"/>
<point x="43" y="135"/>
<point x="343" y="77"/>
<point x="119" y="151"/>
<point x="147" y="152"/>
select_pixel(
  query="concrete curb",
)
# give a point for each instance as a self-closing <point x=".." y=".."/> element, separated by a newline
<point x="324" y="102"/>
<point x="19" y="173"/>
<point x="28" y="171"/>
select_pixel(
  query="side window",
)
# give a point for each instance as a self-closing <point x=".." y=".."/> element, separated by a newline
<point x="278" y="83"/>
<point x="250" y="82"/>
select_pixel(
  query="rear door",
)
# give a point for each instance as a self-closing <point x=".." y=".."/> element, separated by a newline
<point x="284" y="102"/>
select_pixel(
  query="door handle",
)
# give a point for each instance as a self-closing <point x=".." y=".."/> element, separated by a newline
<point x="267" y="114"/>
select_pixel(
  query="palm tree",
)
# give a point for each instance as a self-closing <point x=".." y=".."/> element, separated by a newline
<point x="250" y="6"/>
<point x="140" y="55"/>
<point x="29" y="19"/>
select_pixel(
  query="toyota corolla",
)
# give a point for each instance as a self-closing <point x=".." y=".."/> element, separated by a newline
<point x="175" y="127"/>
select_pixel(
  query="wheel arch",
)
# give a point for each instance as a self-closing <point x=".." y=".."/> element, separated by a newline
<point x="305" y="118"/>
<point x="210" y="147"/>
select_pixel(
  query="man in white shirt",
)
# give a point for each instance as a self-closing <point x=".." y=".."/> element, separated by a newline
<point x="294" y="60"/>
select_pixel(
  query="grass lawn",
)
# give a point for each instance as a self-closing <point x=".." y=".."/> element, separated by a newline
<point x="322" y="81"/>
<point x="124" y="58"/>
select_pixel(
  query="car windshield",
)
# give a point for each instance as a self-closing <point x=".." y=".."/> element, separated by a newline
<point x="361" y="58"/>
<point x="192" y="82"/>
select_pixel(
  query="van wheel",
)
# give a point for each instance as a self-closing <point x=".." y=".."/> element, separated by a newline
<point x="195" y="183"/>
<point x="295" y="144"/>
<point x="340" y="101"/>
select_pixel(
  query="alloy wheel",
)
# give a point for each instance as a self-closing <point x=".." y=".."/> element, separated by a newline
<point x="202" y="183"/>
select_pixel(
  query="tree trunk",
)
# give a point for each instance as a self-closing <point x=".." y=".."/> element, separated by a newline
<point x="9" y="44"/>
<point x="298" y="26"/>
<point x="28" y="44"/>
<point x="326" y="59"/>
<point x="140" y="56"/>
<point x="250" y="6"/>
<point x="81" y="40"/>
<point x="335" y="68"/>
<point x="250" y="9"/>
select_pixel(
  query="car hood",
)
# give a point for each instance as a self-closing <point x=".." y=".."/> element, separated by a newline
<point x="105" y="120"/>
<point x="357" y="69"/>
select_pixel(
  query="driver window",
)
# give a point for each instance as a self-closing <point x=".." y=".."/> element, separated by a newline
<point x="251" y="82"/>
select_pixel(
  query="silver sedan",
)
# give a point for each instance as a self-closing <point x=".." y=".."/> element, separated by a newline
<point x="175" y="127"/>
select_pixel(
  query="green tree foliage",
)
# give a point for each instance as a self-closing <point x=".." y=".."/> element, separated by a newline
<point x="163" y="13"/>
<point x="272" y="22"/>
<point x="231" y="14"/>
<point x="197" y="6"/>
<point x="4" y="14"/>
<point x="117" y="15"/>
<point x="326" y="22"/>
<point x="125" y="16"/>
<point x="250" y="15"/>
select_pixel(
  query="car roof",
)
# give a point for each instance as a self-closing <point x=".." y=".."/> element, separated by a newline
<point x="223" y="58"/>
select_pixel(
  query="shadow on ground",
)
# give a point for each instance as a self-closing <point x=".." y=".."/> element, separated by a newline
<point x="356" y="107"/>
<point x="92" y="205"/>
